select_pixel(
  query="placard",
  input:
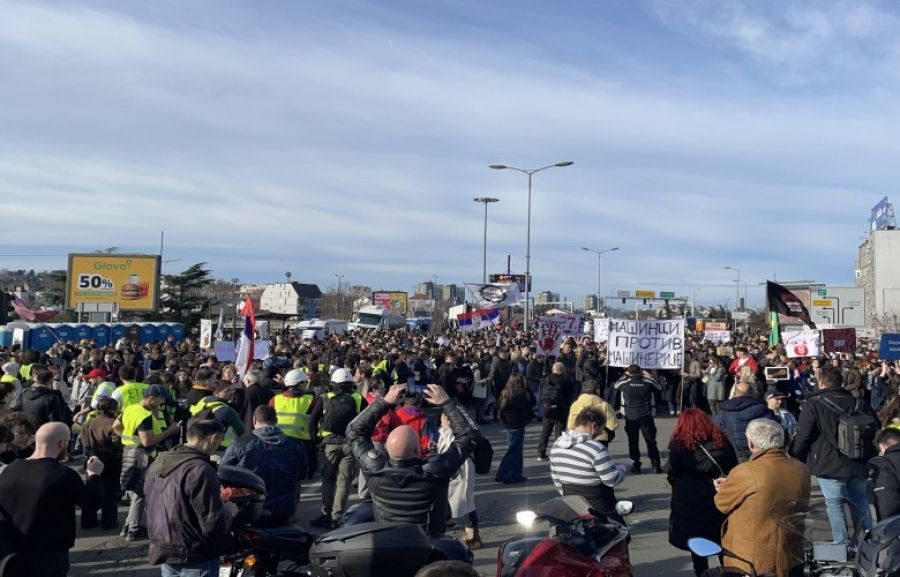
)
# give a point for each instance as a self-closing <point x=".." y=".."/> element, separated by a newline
<point x="890" y="347"/>
<point x="552" y="330"/>
<point x="657" y="344"/>
<point x="839" y="340"/>
<point x="601" y="330"/>
<point x="800" y="344"/>
<point x="716" y="336"/>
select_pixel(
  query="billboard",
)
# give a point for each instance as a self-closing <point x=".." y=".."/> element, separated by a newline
<point x="504" y="278"/>
<point x="130" y="281"/>
<point x="881" y="213"/>
<point x="395" y="301"/>
<point x="838" y="306"/>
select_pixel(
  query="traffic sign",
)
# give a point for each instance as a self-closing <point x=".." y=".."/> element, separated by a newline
<point x="825" y="303"/>
<point x="645" y="294"/>
<point x="822" y="292"/>
<point x="666" y="295"/>
<point x="623" y="294"/>
<point x="740" y="315"/>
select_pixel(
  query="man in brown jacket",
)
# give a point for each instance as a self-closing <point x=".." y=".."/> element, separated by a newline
<point x="756" y="496"/>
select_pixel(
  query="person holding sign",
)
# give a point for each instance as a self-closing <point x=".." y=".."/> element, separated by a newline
<point x="637" y="393"/>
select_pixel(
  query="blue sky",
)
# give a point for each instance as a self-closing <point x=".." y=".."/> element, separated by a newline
<point x="350" y="137"/>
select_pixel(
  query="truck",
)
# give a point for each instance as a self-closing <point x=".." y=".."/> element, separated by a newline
<point x="369" y="318"/>
<point x="319" y="329"/>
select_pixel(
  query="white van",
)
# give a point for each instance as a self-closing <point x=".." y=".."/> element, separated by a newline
<point x="372" y="318"/>
<point x="320" y="329"/>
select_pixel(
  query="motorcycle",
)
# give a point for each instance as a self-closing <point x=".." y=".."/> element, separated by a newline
<point x="581" y="541"/>
<point x="874" y="553"/>
<point x="358" y="549"/>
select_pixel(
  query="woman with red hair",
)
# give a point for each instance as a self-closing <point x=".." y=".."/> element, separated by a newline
<point x="699" y="452"/>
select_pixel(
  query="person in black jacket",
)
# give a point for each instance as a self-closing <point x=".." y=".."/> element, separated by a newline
<point x="516" y="411"/>
<point x="841" y="478"/>
<point x="884" y="473"/>
<point x="699" y="453"/>
<point x="42" y="403"/>
<point x="556" y="399"/>
<point x="406" y="488"/>
<point x="638" y="394"/>
<point x="736" y="413"/>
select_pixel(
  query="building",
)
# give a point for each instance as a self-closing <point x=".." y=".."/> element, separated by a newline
<point x="449" y="293"/>
<point x="878" y="272"/>
<point x="425" y="288"/>
<point x="589" y="303"/>
<point x="293" y="298"/>
<point x="546" y="297"/>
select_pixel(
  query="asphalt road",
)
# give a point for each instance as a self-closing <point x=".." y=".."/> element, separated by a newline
<point x="96" y="553"/>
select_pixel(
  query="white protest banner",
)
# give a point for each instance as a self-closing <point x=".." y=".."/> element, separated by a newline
<point x="586" y="328"/>
<point x="205" y="333"/>
<point x="799" y="344"/>
<point x="717" y="337"/>
<point x="552" y="330"/>
<point x="601" y="330"/>
<point x="494" y="295"/>
<point x="650" y="344"/>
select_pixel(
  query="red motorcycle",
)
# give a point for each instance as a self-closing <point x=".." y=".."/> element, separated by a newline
<point x="581" y="543"/>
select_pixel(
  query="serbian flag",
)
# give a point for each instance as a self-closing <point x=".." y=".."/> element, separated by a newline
<point x="478" y="319"/>
<point x="32" y="316"/>
<point x="245" y="348"/>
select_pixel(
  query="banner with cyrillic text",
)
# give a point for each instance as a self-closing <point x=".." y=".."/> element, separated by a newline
<point x="650" y="344"/>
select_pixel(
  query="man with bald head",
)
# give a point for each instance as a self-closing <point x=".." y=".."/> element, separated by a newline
<point x="405" y="487"/>
<point x="38" y="497"/>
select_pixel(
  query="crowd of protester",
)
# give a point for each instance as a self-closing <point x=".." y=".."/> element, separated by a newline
<point x="362" y="408"/>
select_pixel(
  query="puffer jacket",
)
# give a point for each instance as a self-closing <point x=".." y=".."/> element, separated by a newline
<point x="186" y="518"/>
<point x="733" y="417"/>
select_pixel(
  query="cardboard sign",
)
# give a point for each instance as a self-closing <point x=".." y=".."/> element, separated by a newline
<point x="655" y="344"/>
<point x="716" y="336"/>
<point x="839" y="340"/>
<point x="601" y="330"/>
<point x="801" y="344"/>
<point x="890" y="347"/>
<point x="553" y="330"/>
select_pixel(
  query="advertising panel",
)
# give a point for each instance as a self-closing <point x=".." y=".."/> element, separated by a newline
<point x="879" y="218"/>
<point x="395" y="301"/>
<point x="131" y="281"/>
<point x="503" y="278"/>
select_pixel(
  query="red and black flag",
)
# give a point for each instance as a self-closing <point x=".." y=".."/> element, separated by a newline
<point x="784" y="302"/>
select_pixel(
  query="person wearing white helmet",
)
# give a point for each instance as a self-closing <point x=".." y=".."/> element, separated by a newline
<point x="329" y="421"/>
<point x="294" y="408"/>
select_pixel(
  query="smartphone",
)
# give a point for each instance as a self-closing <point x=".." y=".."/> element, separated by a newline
<point x="414" y="389"/>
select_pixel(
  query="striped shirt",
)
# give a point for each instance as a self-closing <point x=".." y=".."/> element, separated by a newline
<point x="576" y="459"/>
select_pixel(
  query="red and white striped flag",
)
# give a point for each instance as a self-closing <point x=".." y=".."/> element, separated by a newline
<point x="245" y="348"/>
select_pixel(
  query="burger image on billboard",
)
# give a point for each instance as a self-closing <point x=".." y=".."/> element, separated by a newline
<point x="132" y="290"/>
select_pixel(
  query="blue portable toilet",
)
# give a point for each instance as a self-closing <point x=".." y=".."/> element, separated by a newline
<point x="148" y="333"/>
<point x="133" y="332"/>
<point x="116" y="332"/>
<point x="5" y="337"/>
<point x="163" y="331"/>
<point x="100" y="332"/>
<point x="178" y="331"/>
<point x="65" y="332"/>
<point x="41" y="338"/>
<point x="83" y="332"/>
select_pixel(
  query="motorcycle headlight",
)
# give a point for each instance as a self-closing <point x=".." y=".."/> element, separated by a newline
<point x="526" y="518"/>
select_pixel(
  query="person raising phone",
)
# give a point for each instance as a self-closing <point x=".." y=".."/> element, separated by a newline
<point x="405" y="487"/>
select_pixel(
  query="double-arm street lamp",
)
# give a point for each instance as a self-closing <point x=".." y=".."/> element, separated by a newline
<point x="599" y="253"/>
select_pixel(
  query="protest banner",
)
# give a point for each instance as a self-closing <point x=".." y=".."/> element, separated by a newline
<point x="601" y="330"/>
<point x="798" y="344"/>
<point x="552" y="330"/>
<point x="890" y="347"/>
<point x="225" y="351"/>
<point x="716" y="336"/>
<point x="839" y="340"/>
<point x="655" y="344"/>
<point x="715" y="326"/>
<point x="206" y="333"/>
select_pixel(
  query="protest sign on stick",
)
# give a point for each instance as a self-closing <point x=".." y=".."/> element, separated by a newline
<point x="655" y="344"/>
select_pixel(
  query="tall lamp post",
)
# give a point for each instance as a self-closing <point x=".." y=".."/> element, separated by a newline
<point x="737" y="286"/>
<point x="340" y="296"/>
<point x="486" y="200"/>
<point x="694" y="302"/>
<point x="599" y="253"/>
<point x="529" y="172"/>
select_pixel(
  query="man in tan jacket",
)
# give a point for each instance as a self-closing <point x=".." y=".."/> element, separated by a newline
<point x="756" y="496"/>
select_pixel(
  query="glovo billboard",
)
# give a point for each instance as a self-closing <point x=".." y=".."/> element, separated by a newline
<point x="129" y="280"/>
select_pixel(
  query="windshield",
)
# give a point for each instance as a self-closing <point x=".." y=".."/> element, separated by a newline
<point x="566" y="509"/>
<point x="805" y="524"/>
<point x="367" y="319"/>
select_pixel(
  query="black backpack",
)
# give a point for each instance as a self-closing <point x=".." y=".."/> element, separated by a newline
<point x="483" y="455"/>
<point x="339" y="410"/>
<point x="856" y="430"/>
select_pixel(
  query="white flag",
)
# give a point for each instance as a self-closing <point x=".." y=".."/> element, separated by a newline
<point x="494" y="294"/>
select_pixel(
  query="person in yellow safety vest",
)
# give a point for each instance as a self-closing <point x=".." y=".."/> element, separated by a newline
<point x="29" y="359"/>
<point x="294" y="408"/>
<point x="339" y="467"/>
<point x="223" y="413"/>
<point x="129" y="392"/>
<point x="10" y="375"/>
<point x="141" y="433"/>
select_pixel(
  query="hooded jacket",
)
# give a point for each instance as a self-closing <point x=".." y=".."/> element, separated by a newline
<point x="186" y="519"/>
<point x="733" y="417"/>
<point x="279" y="460"/>
<point x="45" y="405"/>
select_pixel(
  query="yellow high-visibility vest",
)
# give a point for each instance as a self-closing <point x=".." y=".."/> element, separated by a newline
<point x="356" y="397"/>
<point x="132" y="417"/>
<point x="293" y="415"/>
<point x="215" y="406"/>
<point x="132" y="394"/>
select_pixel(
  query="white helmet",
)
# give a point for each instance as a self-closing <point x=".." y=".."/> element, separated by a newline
<point x="294" y="377"/>
<point x="341" y="376"/>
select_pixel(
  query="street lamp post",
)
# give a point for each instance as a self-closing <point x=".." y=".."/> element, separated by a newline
<point x="340" y="296"/>
<point x="737" y="286"/>
<point x="694" y="302"/>
<point x="599" y="253"/>
<point x="529" y="172"/>
<point x="486" y="200"/>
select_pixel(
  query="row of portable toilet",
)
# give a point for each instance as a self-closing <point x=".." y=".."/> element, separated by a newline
<point x="41" y="337"/>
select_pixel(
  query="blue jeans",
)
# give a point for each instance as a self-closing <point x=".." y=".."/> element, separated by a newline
<point x="836" y="492"/>
<point x="199" y="569"/>
<point x="510" y="469"/>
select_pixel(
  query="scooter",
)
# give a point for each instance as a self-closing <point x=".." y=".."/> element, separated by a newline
<point x="581" y="541"/>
